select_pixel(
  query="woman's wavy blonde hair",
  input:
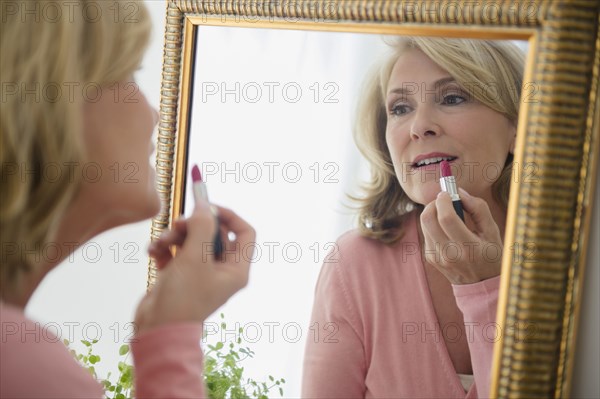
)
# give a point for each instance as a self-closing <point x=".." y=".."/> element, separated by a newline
<point x="477" y="66"/>
<point x="49" y="50"/>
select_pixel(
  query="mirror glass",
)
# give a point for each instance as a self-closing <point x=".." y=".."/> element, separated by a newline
<point x="271" y="130"/>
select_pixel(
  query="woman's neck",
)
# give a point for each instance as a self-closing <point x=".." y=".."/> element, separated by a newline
<point x="75" y="229"/>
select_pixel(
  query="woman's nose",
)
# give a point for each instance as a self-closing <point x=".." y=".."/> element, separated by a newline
<point x="423" y="124"/>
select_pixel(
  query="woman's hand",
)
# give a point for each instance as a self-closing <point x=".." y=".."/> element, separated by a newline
<point x="192" y="284"/>
<point x="462" y="255"/>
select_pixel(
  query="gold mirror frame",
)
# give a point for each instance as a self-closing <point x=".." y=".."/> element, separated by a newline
<point x="548" y="216"/>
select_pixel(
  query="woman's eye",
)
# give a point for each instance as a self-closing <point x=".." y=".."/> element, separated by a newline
<point x="399" y="109"/>
<point x="453" y="99"/>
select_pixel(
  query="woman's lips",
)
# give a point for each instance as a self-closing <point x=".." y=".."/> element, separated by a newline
<point x="432" y="166"/>
<point x="432" y="156"/>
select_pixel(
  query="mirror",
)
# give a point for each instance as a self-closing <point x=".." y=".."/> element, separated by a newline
<point x="271" y="126"/>
<point x="308" y="108"/>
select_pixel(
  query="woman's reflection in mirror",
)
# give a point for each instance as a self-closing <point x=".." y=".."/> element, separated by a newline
<point x="409" y="308"/>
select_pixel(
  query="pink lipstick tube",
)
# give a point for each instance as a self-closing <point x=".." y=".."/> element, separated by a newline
<point x="448" y="184"/>
<point x="201" y="193"/>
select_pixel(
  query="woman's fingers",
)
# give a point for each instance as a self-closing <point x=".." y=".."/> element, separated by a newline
<point x="161" y="256"/>
<point x="239" y="252"/>
<point x="244" y="233"/>
<point x="199" y="246"/>
<point x="201" y="228"/>
<point x="229" y="222"/>
<point x="460" y="254"/>
<point x="480" y="214"/>
<point x="450" y="222"/>
<point x="192" y="285"/>
<point x="160" y="249"/>
<point x="175" y="236"/>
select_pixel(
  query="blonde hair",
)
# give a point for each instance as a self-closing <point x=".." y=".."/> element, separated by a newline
<point x="49" y="51"/>
<point x="477" y="66"/>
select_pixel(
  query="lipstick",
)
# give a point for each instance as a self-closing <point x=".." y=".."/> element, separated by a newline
<point x="201" y="193"/>
<point x="448" y="184"/>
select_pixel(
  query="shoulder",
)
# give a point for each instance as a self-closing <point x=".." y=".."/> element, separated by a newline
<point x="354" y="244"/>
<point x="355" y="238"/>
<point x="35" y="362"/>
<point x="355" y="254"/>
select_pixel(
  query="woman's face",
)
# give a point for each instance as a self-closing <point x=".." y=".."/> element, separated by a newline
<point x="119" y="179"/>
<point x="429" y="116"/>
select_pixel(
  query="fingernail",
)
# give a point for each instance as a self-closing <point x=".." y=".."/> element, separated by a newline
<point x="463" y="192"/>
<point x="441" y="193"/>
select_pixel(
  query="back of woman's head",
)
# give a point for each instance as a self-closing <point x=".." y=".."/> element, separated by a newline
<point x="489" y="71"/>
<point x="55" y="56"/>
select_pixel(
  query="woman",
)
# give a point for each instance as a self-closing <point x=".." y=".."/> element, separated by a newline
<point x="71" y="109"/>
<point x="409" y="308"/>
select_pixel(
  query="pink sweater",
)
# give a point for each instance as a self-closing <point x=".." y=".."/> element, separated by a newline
<point x="378" y="334"/>
<point x="35" y="364"/>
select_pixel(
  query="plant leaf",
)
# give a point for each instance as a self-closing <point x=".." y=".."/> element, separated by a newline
<point x="123" y="350"/>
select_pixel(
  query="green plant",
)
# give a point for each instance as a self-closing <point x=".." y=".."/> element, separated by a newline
<point x="223" y="373"/>
<point x="122" y="388"/>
